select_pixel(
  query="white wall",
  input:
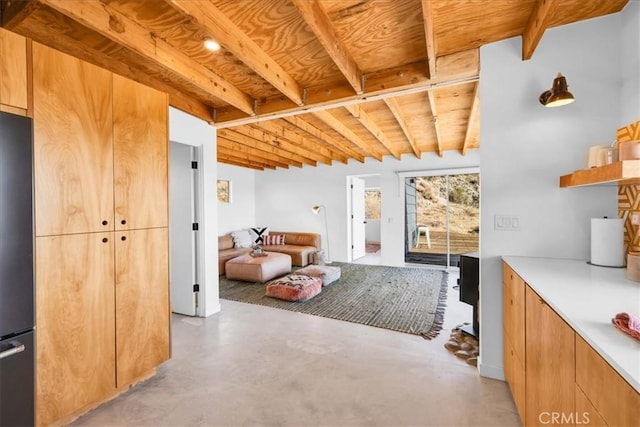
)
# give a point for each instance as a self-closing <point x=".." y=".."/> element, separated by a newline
<point x="284" y="198"/>
<point x="630" y="67"/>
<point x="525" y="147"/>
<point x="241" y="212"/>
<point x="186" y="129"/>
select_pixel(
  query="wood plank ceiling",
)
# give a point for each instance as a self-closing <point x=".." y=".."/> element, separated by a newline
<point x="303" y="82"/>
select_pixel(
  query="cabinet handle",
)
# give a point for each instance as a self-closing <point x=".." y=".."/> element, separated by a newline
<point x="123" y="238"/>
<point x="123" y="222"/>
<point x="105" y="222"/>
<point x="105" y="240"/>
<point x="16" y="347"/>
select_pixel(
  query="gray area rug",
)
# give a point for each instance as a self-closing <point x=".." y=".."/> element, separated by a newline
<point x="410" y="300"/>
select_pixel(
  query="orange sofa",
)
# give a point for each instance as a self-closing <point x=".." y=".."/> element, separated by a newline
<point x="300" y="246"/>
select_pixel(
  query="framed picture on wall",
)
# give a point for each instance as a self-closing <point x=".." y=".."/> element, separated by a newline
<point x="224" y="191"/>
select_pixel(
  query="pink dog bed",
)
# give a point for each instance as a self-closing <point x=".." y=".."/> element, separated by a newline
<point x="294" y="287"/>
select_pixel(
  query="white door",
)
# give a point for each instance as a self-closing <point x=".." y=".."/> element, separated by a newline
<point x="358" y="224"/>
<point x="183" y="238"/>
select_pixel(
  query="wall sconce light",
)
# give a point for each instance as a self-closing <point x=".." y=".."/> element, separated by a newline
<point x="558" y="94"/>
<point x="316" y="210"/>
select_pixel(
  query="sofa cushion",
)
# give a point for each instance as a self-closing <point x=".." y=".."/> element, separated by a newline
<point x="273" y="239"/>
<point x="258" y="269"/>
<point x="225" y="242"/>
<point x="258" y="234"/>
<point x="300" y="255"/>
<point x="241" y="239"/>
<point x="227" y="254"/>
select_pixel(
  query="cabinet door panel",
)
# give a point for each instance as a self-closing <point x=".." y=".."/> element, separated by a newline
<point x="142" y="302"/>
<point x="73" y="146"/>
<point x="515" y="375"/>
<point x="13" y="70"/>
<point x="75" y="323"/>
<point x="140" y="153"/>
<point x="609" y="393"/>
<point x="586" y="413"/>
<point x="550" y="362"/>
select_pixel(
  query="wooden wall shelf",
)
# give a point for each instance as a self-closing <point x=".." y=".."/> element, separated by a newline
<point x="615" y="172"/>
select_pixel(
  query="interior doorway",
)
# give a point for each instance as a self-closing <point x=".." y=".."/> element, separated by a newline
<point x="364" y="197"/>
<point x="442" y="218"/>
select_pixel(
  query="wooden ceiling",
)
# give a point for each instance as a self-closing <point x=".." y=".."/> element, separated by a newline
<point x="302" y="82"/>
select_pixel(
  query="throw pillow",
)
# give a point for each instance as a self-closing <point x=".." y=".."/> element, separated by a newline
<point x="241" y="239"/>
<point x="258" y="234"/>
<point x="273" y="239"/>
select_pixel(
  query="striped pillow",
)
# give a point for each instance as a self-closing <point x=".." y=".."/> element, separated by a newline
<point x="273" y="239"/>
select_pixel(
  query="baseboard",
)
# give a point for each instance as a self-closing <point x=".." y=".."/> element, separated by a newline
<point x="490" y="371"/>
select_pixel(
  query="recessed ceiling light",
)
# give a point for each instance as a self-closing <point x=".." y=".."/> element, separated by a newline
<point x="212" y="45"/>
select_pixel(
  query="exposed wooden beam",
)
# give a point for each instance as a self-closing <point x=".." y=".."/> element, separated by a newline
<point x="226" y="32"/>
<point x="430" y="39"/>
<point x="397" y="112"/>
<point x="473" y="112"/>
<point x="335" y="124"/>
<point x="436" y="123"/>
<point x="324" y="138"/>
<point x="120" y="29"/>
<point x="248" y="136"/>
<point x="239" y="159"/>
<point x="536" y="25"/>
<point x="454" y="69"/>
<point x="276" y="140"/>
<point x="317" y="19"/>
<point x="370" y="124"/>
<point x="252" y="153"/>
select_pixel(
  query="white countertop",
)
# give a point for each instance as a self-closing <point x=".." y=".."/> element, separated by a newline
<point x="587" y="297"/>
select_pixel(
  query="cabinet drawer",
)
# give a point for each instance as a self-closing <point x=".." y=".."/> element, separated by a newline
<point x="610" y="394"/>
<point x="586" y="413"/>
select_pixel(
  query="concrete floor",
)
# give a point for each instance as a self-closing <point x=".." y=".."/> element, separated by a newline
<point x="258" y="366"/>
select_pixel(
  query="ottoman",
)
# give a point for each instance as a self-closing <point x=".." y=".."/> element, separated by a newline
<point x="327" y="273"/>
<point x="294" y="287"/>
<point x="258" y="269"/>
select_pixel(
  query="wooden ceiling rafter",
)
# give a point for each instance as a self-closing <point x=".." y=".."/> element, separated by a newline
<point x="245" y="136"/>
<point x="273" y="159"/>
<point x="430" y="39"/>
<point x="232" y="38"/>
<point x="330" y="120"/>
<point x="475" y="108"/>
<point x="291" y="138"/>
<point x="240" y="159"/>
<point x="116" y="27"/>
<point x="368" y="123"/>
<point x="320" y="24"/>
<point x="454" y="69"/>
<point x="536" y="26"/>
<point x="324" y="138"/>
<point x="431" y="96"/>
<point x="396" y="110"/>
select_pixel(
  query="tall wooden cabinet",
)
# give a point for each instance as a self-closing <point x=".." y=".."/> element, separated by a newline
<point x="101" y="183"/>
<point x="14" y="92"/>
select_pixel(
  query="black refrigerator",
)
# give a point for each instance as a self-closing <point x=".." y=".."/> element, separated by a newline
<point x="17" y="331"/>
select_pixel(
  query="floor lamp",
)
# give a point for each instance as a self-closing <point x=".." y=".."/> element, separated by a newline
<point x="316" y="210"/>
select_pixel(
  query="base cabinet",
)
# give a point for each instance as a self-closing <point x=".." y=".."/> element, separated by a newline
<point x="562" y="380"/>
<point x="550" y="365"/>
<point x="13" y="73"/>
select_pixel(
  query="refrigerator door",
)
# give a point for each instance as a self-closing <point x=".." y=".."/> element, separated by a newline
<point x="16" y="225"/>
<point x="17" y="381"/>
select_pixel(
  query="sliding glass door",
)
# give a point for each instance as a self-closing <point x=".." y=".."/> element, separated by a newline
<point x="443" y="218"/>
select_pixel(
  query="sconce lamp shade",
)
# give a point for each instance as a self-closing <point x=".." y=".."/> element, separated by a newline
<point x="316" y="209"/>
<point x="558" y="95"/>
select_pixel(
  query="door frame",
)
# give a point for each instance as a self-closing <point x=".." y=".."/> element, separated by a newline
<point x="349" y="211"/>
